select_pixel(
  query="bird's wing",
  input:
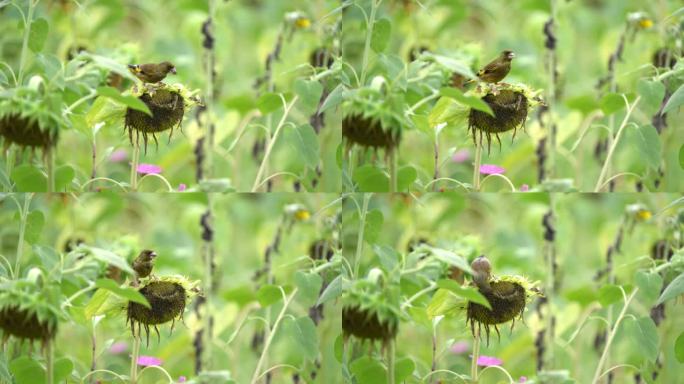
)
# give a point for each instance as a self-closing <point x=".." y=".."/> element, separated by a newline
<point x="489" y="68"/>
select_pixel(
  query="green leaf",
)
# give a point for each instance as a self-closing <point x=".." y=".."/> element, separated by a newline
<point x="309" y="285"/>
<point x="268" y="294"/>
<point x="332" y="291"/>
<point x="27" y="370"/>
<point x="647" y="140"/>
<point x="241" y="295"/>
<point x="39" y="32"/>
<point x="611" y="103"/>
<point x="681" y="156"/>
<point x="403" y="369"/>
<point x="110" y="258"/>
<point x="34" y="226"/>
<point x="609" y="294"/>
<point x="129" y="101"/>
<point x="303" y="331"/>
<point x="374" y="220"/>
<point x="650" y="284"/>
<point x="445" y="303"/>
<point x="674" y="289"/>
<point x="406" y="176"/>
<point x="389" y="258"/>
<point x="382" y="29"/>
<point x="371" y="179"/>
<point x="451" y="258"/>
<point x="309" y="92"/>
<point x="5" y="376"/>
<point x="368" y="370"/>
<point x="95" y="305"/>
<point x="584" y="295"/>
<point x="304" y="142"/>
<point x="470" y="101"/>
<point x="334" y="98"/>
<point x="468" y="293"/>
<point x="679" y="348"/>
<point x="454" y="65"/>
<point x="676" y="100"/>
<point x="269" y="102"/>
<point x="62" y="368"/>
<point x="64" y="175"/>
<point x="643" y="333"/>
<point x="127" y="293"/>
<point x="29" y="179"/>
<point x="652" y="93"/>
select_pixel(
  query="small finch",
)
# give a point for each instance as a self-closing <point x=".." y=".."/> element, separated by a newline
<point x="497" y="70"/>
<point x="143" y="264"/>
<point x="152" y="73"/>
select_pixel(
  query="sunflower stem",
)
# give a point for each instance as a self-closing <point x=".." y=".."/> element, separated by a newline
<point x="9" y="162"/>
<point x="391" y="352"/>
<point x="134" y="167"/>
<point x="476" y="356"/>
<point x="50" y="160"/>
<point x="370" y="22"/>
<point x="49" y="361"/>
<point x="476" y="170"/>
<point x="393" y="170"/>
<point x="24" y="46"/>
<point x="134" y="359"/>
<point x="22" y="231"/>
<point x="362" y="227"/>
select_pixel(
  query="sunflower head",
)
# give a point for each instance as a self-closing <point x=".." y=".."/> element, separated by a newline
<point x="373" y="117"/>
<point x="29" y="118"/>
<point x="371" y="311"/>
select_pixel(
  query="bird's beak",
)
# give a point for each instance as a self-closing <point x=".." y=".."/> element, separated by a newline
<point x="173" y="70"/>
<point x="153" y="254"/>
<point x="511" y="55"/>
<point x="132" y="67"/>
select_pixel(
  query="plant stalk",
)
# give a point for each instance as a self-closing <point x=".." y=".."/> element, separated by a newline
<point x="478" y="161"/>
<point x="50" y="159"/>
<point x="362" y="228"/>
<point x="476" y="356"/>
<point x="24" y="45"/>
<point x="22" y="231"/>
<point x="391" y="352"/>
<point x="393" y="170"/>
<point x="369" y="34"/>
<point x="134" y="359"/>
<point x="134" y="167"/>
<point x="49" y="361"/>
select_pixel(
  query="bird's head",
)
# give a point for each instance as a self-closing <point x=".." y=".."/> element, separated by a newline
<point x="168" y="67"/>
<point x="148" y="254"/>
<point x="507" y="55"/>
<point x="135" y="68"/>
<point x="482" y="269"/>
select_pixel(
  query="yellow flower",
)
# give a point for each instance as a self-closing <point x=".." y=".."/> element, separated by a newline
<point x="302" y="215"/>
<point x="645" y="23"/>
<point x="302" y="23"/>
<point x="643" y="214"/>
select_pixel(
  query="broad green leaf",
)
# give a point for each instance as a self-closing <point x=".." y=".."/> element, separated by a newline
<point x="650" y="284"/>
<point x="368" y="370"/>
<point x="304" y="141"/>
<point x="374" y="220"/>
<point x="403" y="369"/>
<point x="303" y="331"/>
<point x="29" y="179"/>
<point x="676" y="100"/>
<point x="268" y="294"/>
<point x="470" y="101"/>
<point x="382" y="30"/>
<point x="334" y="98"/>
<point x="647" y="141"/>
<point x="127" y="293"/>
<point x="644" y="336"/>
<point x="309" y="286"/>
<point x="609" y="294"/>
<point x="241" y="295"/>
<point x="451" y="258"/>
<point x="27" y="370"/>
<point x="454" y="65"/>
<point x="64" y="175"/>
<point x="611" y="103"/>
<point x="445" y="303"/>
<point x="679" y="348"/>
<point x="269" y="102"/>
<point x="389" y="258"/>
<point x="62" y="368"/>
<point x="332" y="291"/>
<point x="39" y="32"/>
<point x="110" y="258"/>
<point x="584" y="295"/>
<point x="95" y="305"/>
<point x="371" y="179"/>
<point x="129" y="101"/>
<point x="309" y="92"/>
<point x="681" y="156"/>
<point x="674" y="289"/>
<point x="468" y="293"/>
<point x="34" y="226"/>
<point x="406" y="176"/>
<point x="652" y="93"/>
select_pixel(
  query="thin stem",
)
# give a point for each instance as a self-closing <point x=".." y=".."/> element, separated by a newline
<point x="50" y="160"/>
<point x="134" y="359"/>
<point x="134" y="167"/>
<point x="391" y="352"/>
<point x="269" y="340"/>
<point x="23" y="214"/>
<point x="272" y="142"/>
<point x="359" y="240"/>
<point x="476" y="170"/>
<point x="615" y="142"/>
<point x="9" y="162"/>
<point x="393" y="170"/>
<point x="49" y="361"/>
<point x="476" y="356"/>
<point x="613" y="331"/>
<point x="370" y="22"/>
<point x="24" y="45"/>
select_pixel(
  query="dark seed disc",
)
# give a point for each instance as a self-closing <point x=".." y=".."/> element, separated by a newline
<point x="25" y="325"/>
<point x="368" y="132"/>
<point x="25" y="132"/>
<point x="365" y="324"/>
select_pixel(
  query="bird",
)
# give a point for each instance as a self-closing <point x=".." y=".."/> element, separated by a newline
<point x="482" y="270"/>
<point x="152" y="73"/>
<point x="143" y="264"/>
<point x="497" y="69"/>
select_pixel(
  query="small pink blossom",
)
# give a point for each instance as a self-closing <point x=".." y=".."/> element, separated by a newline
<point x="487" y="361"/>
<point x="523" y="379"/>
<point x="524" y="188"/>
<point x="182" y="379"/>
<point x="459" y="348"/>
<point x="182" y="187"/>
<point x="491" y="169"/>
<point x="460" y="156"/>
<point x="117" y="348"/>
<point x="149" y="169"/>
<point x="147" y="361"/>
<point x="118" y="156"/>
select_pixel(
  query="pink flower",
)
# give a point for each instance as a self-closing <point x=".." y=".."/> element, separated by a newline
<point x="486" y="361"/>
<point x="523" y="379"/>
<point x="147" y="361"/>
<point x="182" y="379"/>
<point x="459" y="348"/>
<point x="119" y="347"/>
<point x="460" y="156"/>
<point x="182" y="187"/>
<point x="118" y="156"/>
<point x="491" y="169"/>
<point x="149" y="169"/>
<point x="524" y="188"/>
